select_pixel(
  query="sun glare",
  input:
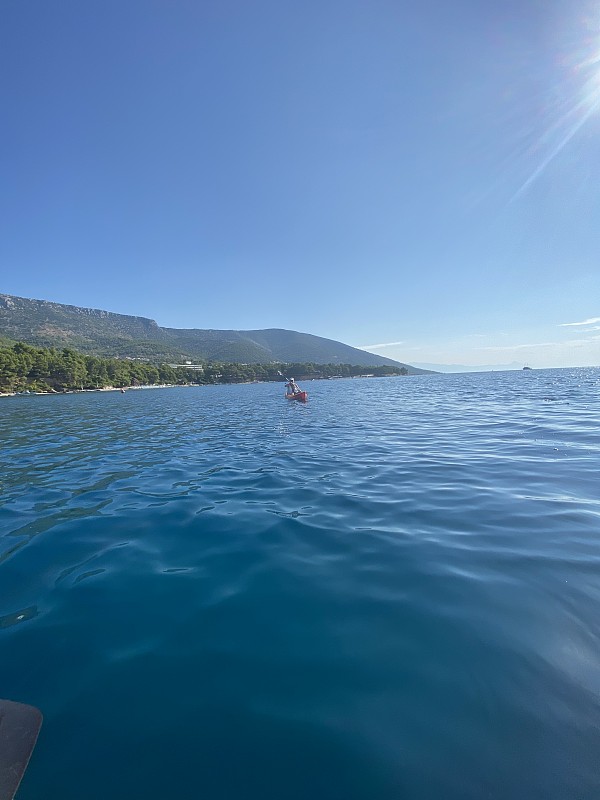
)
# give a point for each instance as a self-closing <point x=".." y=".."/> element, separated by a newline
<point x="587" y="64"/>
<point x="582" y="80"/>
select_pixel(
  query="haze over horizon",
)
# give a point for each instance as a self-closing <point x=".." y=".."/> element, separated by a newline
<point x="418" y="182"/>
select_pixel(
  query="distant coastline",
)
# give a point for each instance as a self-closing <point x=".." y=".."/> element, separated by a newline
<point x="124" y="389"/>
<point x="27" y="393"/>
<point x="25" y="369"/>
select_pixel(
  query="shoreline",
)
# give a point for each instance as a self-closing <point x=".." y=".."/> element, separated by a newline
<point x="29" y="393"/>
<point x="103" y="389"/>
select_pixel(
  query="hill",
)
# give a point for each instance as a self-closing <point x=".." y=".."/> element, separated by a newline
<point x="471" y="368"/>
<point x="103" y="333"/>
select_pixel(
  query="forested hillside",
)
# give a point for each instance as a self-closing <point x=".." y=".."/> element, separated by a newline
<point x="36" y="369"/>
<point x="102" y="333"/>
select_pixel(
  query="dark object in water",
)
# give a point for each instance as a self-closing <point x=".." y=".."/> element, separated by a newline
<point x="527" y="367"/>
<point x="19" y="728"/>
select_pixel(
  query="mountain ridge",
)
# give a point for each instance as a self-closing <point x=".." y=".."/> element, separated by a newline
<point x="460" y="368"/>
<point x="99" y="332"/>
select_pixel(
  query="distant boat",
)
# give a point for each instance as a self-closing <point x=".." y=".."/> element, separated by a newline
<point x="527" y="367"/>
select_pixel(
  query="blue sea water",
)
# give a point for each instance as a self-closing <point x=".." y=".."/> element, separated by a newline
<point x="390" y="592"/>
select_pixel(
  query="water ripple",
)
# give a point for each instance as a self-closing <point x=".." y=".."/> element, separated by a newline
<point x="389" y="592"/>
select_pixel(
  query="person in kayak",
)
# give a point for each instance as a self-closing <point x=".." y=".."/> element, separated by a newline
<point x="292" y="387"/>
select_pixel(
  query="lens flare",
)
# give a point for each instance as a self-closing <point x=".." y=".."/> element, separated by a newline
<point x="582" y="72"/>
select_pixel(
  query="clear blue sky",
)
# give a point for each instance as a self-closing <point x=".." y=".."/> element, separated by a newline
<point x="375" y="172"/>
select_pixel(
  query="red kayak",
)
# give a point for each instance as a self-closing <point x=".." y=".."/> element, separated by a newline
<point x="301" y="396"/>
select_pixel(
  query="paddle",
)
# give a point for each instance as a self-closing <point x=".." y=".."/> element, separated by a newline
<point x="289" y="380"/>
<point x="19" y="728"/>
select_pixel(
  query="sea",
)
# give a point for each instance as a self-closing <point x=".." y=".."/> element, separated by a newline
<point x="390" y="592"/>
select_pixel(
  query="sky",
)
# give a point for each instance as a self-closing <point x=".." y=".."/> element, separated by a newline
<point x="418" y="179"/>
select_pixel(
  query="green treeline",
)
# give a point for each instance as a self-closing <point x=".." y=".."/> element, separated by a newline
<point x="39" y="369"/>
